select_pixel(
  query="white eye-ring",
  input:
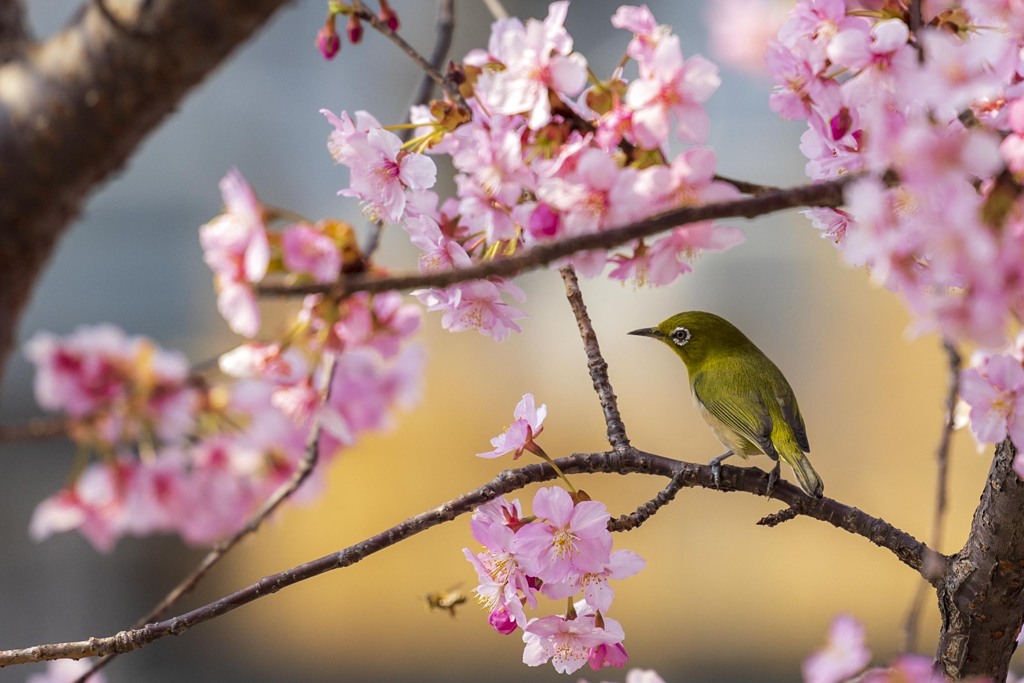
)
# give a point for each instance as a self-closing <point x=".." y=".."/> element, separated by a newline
<point x="680" y="336"/>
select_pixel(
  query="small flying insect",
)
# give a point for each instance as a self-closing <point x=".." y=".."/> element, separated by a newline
<point x="446" y="600"/>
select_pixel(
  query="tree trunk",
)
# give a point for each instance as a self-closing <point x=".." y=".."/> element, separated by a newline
<point x="74" y="108"/>
<point x="980" y="598"/>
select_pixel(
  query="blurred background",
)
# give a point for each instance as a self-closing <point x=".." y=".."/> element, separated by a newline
<point x="721" y="599"/>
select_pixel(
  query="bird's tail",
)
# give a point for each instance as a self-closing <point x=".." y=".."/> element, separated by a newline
<point x="809" y="480"/>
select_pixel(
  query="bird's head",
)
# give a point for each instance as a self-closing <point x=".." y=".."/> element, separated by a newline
<point x="697" y="336"/>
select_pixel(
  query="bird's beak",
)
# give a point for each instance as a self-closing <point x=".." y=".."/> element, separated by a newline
<point x="648" y="332"/>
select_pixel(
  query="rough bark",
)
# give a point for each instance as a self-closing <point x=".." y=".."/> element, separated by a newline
<point x="980" y="597"/>
<point x="75" y="107"/>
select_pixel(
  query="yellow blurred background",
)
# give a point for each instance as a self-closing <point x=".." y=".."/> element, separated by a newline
<point x="720" y="594"/>
<point x="721" y="599"/>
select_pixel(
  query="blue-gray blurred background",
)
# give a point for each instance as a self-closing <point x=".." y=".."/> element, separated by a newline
<point x="721" y="600"/>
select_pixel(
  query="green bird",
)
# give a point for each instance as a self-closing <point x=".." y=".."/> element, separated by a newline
<point x="741" y="394"/>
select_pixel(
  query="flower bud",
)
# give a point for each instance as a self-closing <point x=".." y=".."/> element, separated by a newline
<point x="328" y="42"/>
<point x="501" y="621"/>
<point x="354" y="29"/>
<point x="388" y="15"/>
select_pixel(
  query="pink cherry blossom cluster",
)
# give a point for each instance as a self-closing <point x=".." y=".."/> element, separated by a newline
<point x="115" y="388"/>
<point x="993" y="389"/>
<point x="179" y="454"/>
<point x="562" y="550"/>
<point x="241" y="251"/>
<point x="539" y="156"/>
<point x="937" y="218"/>
<point x="846" y="656"/>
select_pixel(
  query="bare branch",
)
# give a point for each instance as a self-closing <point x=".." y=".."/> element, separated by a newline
<point x="75" y="108"/>
<point x="746" y="187"/>
<point x="828" y="193"/>
<point x="496" y="9"/>
<point x="909" y="550"/>
<point x="915" y="16"/>
<point x="36" y="429"/>
<point x="941" y="490"/>
<point x="647" y="510"/>
<point x="443" y="44"/>
<point x="445" y="27"/>
<point x="595" y="362"/>
<point x="425" y="66"/>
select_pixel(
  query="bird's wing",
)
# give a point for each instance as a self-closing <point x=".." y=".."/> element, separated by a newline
<point x="791" y="413"/>
<point x="786" y="399"/>
<point x="754" y="423"/>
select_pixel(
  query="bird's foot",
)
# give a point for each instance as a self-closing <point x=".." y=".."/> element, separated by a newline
<point x="773" y="477"/>
<point x="716" y="468"/>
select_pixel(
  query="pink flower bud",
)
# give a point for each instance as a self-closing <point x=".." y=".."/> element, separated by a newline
<point x="354" y="29"/>
<point x="388" y="15"/>
<point x="328" y="42"/>
<point x="501" y="621"/>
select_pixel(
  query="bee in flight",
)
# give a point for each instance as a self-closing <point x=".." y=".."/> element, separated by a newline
<point x="446" y="600"/>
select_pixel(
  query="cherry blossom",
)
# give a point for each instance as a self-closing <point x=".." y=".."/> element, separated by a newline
<point x="910" y="669"/>
<point x="740" y="30"/>
<point x="568" y="539"/>
<point x="307" y="250"/>
<point x="504" y="585"/>
<point x="994" y="389"/>
<point x="116" y="387"/>
<point x="843" y="657"/>
<point x="519" y="436"/>
<point x="596" y="586"/>
<point x="67" y="671"/>
<point x="236" y="248"/>
<point x="671" y="86"/>
<point x="566" y="643"/>
<point x="476" y="305"/>
<point x="537" y="57"/>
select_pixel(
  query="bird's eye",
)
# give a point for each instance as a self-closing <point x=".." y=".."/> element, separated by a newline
<point x="680" y="336"/>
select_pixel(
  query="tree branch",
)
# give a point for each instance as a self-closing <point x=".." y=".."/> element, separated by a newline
<point x="829" y="193"/>
<point x="425" y="66"/>
<point x="445" y="28"/>
<point x="909" y="550"/>
<point x="75" y="108"/>
<point x="595" y="362"/>
<point x="941" y="488"/>
<point x="445" y="31"/>
<point x="980" y="597"/>
<point x="36" y="429"/>
<point x="13" y="33"/>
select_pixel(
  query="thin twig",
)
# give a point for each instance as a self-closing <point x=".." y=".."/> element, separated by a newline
<point x="647" y="510"/>
<point x="217" y="553"/>
<point x="829" y="193"/>
<point x="905" y="547"/>
<point x="421" y="61"/>
<point x="445" y="29"/>
<point x="777" y="518"/>
<point x="915" y="16"/>
<point x="941" y="490"/>
<point x="745" y="187"/>
<point x="595" y="362"/>
<point x="496" y="9"/>
<point x="443" y="44"/>
<point x="36" y="429"/>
